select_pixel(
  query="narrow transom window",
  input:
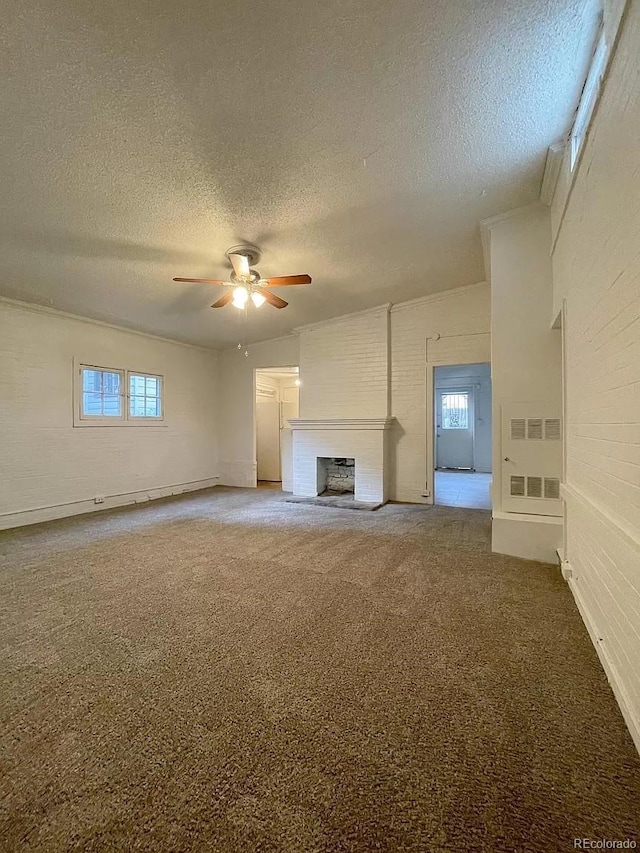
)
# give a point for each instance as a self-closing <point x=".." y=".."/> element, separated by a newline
<point x="145" y="396"/>
<point x="455" y="411"/>
<point x="588" y="99"/>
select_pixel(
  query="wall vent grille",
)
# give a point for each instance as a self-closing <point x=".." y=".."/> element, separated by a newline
<point x="517" y="487"/>
<point x="534" y="487"/>
<point x="552" y="429"/>
<point x="518" y="429"/>
<point x="552" y="488"/>
<point x="534" y="428"/>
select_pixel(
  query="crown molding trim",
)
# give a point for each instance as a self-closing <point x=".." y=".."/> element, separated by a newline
<point x="34" y="308"/>
<point x="378" y="309"/>
<point x="552" y="166"/>
<point x="437" y="297"/>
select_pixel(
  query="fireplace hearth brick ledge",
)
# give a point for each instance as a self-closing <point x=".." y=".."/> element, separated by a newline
<point x="363" y="439"/>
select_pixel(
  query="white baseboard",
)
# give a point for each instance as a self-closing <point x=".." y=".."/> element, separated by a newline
<point x="36" y="515"/>
<point x="619" y="691"/>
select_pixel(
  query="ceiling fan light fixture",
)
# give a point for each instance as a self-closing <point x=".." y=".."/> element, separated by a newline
<point x="240" y="297"/>
<point x="258" y="299"/>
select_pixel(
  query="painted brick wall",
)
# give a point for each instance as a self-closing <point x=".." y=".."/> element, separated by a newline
<point x="463" y="311"/>
<point x="46" y="462"/>
<point x="344" y="367"/>
<point x="596" y="267"/>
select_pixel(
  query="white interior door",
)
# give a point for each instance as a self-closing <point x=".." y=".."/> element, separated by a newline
<point x="268" y="438"/>
<point x="454" y="428"/>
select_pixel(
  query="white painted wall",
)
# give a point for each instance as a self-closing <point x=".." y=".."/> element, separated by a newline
<point x="478" y="376"/>
<point x="344" y="366"/>
<point x="48" y="468"/>
<point x="526" y="355"/>
<point x="460" y="312"/>
<point x="236" y="425"/>
<point x="596" y="267"/>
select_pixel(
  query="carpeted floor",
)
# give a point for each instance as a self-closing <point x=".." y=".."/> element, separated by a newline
<point x="230" y="672"/>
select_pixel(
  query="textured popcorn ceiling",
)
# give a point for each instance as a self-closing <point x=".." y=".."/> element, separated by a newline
<point x="360" y="141"/>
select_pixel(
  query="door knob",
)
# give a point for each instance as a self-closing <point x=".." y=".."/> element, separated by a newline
<point x="506" y="459"/>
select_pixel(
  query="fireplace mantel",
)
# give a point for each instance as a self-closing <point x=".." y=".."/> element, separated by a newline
<point x="340" y="423"/>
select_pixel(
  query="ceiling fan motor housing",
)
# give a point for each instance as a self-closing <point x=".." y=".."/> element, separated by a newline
<point x="251" y="253"/>
<point x="254" y="278"/>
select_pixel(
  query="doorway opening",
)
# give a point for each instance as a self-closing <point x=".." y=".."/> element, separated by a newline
<point x="277" y="399"/>
<point x="462" y="409"/>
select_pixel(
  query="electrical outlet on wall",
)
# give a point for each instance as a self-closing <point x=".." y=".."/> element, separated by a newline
<point x="99" y="499"/>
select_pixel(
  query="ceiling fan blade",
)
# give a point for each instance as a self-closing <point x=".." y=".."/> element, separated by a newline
<point x="284" y="280"/>
<point x="240" y="265"/>
<point x="274" y="300"/>
<point x="228" y="296"/>
<point x="203" y="280"/>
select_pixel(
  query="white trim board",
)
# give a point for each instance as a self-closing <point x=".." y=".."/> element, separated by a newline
<point x="37" y="515"/>
<point x="632" y="721"/>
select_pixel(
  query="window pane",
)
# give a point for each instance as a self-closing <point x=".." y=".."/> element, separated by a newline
<point x="91" y="403"/>
<point x="455" y="411"/>
<point x="91" y="380"/>
<point x="110" y="382"/>
<point x="112" y="405"/>
<point x="101" y="393"/>
<point x="136" y="385"/>
<point x="145" y="396"/>
<point x="136" y="407"/>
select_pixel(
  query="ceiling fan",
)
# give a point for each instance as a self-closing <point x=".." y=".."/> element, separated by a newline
<point x="247" y="283"/>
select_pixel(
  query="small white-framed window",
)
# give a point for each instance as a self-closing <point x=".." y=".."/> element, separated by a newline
<point x="107" y="396"/>
<point x="102" y="394"/>
<point x="145" y="396"/>
<point x="588" y="99"/>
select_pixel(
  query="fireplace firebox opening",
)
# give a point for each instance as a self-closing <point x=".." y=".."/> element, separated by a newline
<point x="336" y="475"/>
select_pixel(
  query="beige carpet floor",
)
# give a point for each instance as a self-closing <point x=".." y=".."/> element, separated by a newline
<point x="230" y="672"/>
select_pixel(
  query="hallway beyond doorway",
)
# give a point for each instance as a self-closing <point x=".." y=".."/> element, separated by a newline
<point x="470" y="489"/>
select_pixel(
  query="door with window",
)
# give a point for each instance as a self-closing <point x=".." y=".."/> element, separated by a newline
<point x="454" y="428"/>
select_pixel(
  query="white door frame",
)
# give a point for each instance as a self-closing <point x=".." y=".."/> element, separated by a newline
<point x="254" y="384"/>
<point x="452" y="349"/>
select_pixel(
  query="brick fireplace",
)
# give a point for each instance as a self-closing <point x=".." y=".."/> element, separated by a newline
<point x="362" y="441"/>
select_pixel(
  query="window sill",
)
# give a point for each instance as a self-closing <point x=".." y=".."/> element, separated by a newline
<point x="119" y="425"/>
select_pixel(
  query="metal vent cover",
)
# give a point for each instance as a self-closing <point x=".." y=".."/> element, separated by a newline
<point x="552" y="429"/>
<point x="552" y="488"/>
<point x="534" y="428"/>
<point x="534" y="487"/>
<point x="518" y="429"/>
<point x="517" y="487"/>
